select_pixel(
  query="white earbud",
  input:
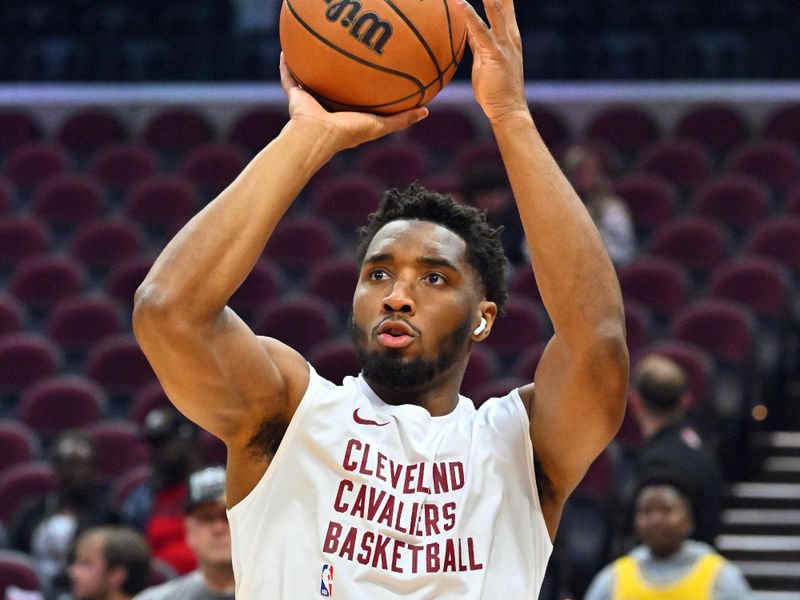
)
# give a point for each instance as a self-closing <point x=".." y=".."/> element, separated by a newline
<point x="479" y="329"/>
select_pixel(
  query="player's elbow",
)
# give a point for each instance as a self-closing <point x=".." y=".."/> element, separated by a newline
<point x="153" y="310"/>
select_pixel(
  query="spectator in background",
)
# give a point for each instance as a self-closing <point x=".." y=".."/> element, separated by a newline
<point x="667" y="564"/>
<point x="659" y="402"/>
<point x="111" y="563"/>
<point x="47" y="526"/>
<point x="584" y="168"/>
<point x="487" y="188"/>
<point x="157" y="506"/>
<point x="209" y="536"/>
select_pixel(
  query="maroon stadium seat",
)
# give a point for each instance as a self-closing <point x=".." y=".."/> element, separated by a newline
<point x="68" y="200"/>
<point x="118" y="364"/>
<point x="119" y="447"/>
<point x="43" y="281"/>
<point x="123" y="165"/>
<point x="334" y="280"/>
<point x="106" y="242"/>
<point x="29" y="165"/>
<point x="521" y="327"/>
<point x="394" y="163"/>
<point x="18" y="443"/>
<point x="19" y="570"/>
<point x="628" y="128"/>
<point x="300" y="320"/>
<point x="761" y="284"/>
<point x="738" y="201"/>
<point x="263" y="282"/>
<point x="650" y="198"/>
<point x="12" y="314"/>
<point x="299" y="242"/>
<point x="77" y="323"/>
<point x="212" y="167"/>
<point x="716" y="126"/>
<point x="496" y="388"/>
<point x="683" y="162"/>
<point x="22" y="482"/>
<point x="24" y="359"/>
<point x="478" y="154"/>
<point x="784" y="124"/>
<point x="17" y="128"/>
<point x="697" y="243"/>
<point x="125" y="277"/>
<point x="722" y="328"/>
<point x="147" y="398"/>
<point x="525" y="364"/>
<point x="177" y="129"/>
<point x="53" y="405"/>
<point x="166" y="202"/>
<point x="256" y="128"/>
<point x="779" y="239"/>
<point x="445" y="129"/>
<point x="774" y="162"/>
<point x="212" y="450"/>
<point x="629" y="436"/>
<point x="347" y="201"/>
<point x="7" y="197"/>
<point x="659" y="284"/>
<point x="91" y="129"/>
<point x="443" y="182"/>
<point x="551" y="126"/>
<point x="638" y="325"/>
<point x="522" y="284"/>
<point x="19" y="238"/>
<point x="482" y="367"/>
<point x="334" y="359"/>
<point x="792" y="200"/>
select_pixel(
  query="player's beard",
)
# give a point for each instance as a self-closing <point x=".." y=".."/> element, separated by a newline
<point x="391" y="369"/>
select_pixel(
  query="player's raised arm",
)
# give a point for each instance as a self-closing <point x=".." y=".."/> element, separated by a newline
<point x="213" y="368"/>
<point x="581" y="380"/>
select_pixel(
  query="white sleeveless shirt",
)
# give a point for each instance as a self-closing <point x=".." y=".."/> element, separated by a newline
<point x="368" y="501"/>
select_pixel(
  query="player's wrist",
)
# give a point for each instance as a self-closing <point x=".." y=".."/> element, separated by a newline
<point x="317" y="137"/>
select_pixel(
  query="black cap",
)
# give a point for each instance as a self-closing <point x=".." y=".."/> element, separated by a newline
<point x="206" y="485"/>
<point x="163" y="422"/>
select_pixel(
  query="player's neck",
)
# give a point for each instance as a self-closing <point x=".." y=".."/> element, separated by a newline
<point x="439" y="399"/>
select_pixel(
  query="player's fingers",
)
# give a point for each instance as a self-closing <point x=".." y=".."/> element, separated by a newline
<point x="404" y="119"/>
<point x="287" y="81"/>
<point x="500" y="14"/>
<point x="477" y="30"/>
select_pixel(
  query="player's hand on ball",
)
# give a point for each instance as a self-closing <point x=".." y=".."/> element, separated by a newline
<point x="497" y="76"/>
<point x="346" y="129"/>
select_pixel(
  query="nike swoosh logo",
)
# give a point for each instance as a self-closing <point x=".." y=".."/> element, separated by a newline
<point x="362" y="421"/>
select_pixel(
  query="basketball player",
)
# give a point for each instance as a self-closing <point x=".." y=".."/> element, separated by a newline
<point x="391" y="484"/>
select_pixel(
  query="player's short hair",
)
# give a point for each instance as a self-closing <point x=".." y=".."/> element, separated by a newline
<point x="660" y="382"/>
<point x="484" y="250"/>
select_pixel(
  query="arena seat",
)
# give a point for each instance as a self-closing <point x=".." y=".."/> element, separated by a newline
<point x="212" y="167"/>
<point x="347" y="201"/>
<point x="18" y="443"/>
<point x="784" y="124"/>
<point x="90" y="130"/>
<point x="762" y="284"/>
<point x="106" y="242"/>
<point x="19" y="570"/>
<point x="696" y="362"/>
<point x="638" y="325"/>
<point x="22" y="482"/>
<point x="779" y="239"/>
<point x="334" y="279"/>
<point x="177" y="130"/>
<point x="21" y="237"/>
<point x="298" y="320"/>
<point x="482" y="367"/>
<point x="13" y="314"/>
<point x="521" y="327"/>
<point x="525" y="364"/>
<point x="161" y="202"/>
<point x="394" y="163"/>
<point x="774" y="162"/>
<point x="256" y="128"/>
<point x="24" y="359"/>
<point x="17" y="128"/>
<point x="149" y="396"/>
<point x="56" y="404"/>
<point x="263" y="283"/>
<point x="118" y="364"/>
<point x="722" y="328"/>
<point x="64" y="201"/>
<point x="121" y="166"/>
<point x="650" y="198"/>
<point x="628" y="128"/>
<point x="28" y="165"/>
<point x="683" y="162"/>
<point x="43" y="281"/>
<point x="660" y="284"/>
<point x="496" y="388"/>
<point x="719" y="127"/>
<point x="697" y="243"/>
<point x="78" y="322"/>
<point x="738" y="201"/>
<point x="299" y="242"/>
<point x="119" y="447"/>
<point x="445" y="129"/>
<point x="7" y="198"/>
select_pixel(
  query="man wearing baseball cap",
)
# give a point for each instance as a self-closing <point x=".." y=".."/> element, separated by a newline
<point x="209" y="536"/>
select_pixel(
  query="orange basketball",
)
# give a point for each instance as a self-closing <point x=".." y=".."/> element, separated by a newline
<point x="380" y="56"/>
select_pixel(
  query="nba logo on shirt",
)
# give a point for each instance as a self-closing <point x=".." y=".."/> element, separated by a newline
<point x="326" y="583"/>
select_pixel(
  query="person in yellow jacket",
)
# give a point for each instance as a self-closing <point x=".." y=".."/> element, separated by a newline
<point x="668" y="565"/>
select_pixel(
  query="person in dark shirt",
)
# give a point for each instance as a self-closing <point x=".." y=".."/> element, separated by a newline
<point x="47" y="526"/>
<point x="659" y="402"/>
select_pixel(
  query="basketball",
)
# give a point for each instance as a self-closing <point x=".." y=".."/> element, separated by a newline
<point x="379" y="56"/>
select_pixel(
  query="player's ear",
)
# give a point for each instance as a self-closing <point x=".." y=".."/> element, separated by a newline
<point x="487" y="312"/>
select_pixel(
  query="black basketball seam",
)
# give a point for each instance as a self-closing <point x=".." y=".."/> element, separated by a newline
<point x="449" y="29"/>
<point x="453" y="63"/>
<point x="366" y="63"/>
<point x="422" y="40"/>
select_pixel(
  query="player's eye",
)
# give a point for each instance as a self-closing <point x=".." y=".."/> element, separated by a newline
<point x="435" y="278"/>
<point x="377" y="275"/>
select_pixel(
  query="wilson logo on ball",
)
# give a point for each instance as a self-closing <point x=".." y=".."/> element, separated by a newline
<point x="363" y="26"/>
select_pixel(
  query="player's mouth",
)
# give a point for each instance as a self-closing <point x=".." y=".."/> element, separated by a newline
<point x="395" y="334"/>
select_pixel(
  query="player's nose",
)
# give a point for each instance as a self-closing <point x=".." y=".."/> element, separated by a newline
<point x="400" y="298"/>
